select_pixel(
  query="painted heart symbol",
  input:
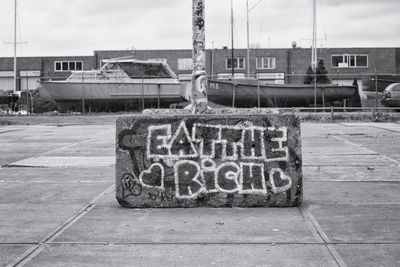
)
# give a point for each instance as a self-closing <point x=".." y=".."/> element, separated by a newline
<point x="153" y="177"/>
<point x="279" y="181"/>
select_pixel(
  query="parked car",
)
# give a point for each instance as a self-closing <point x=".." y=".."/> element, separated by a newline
<point x="391" y="95"/>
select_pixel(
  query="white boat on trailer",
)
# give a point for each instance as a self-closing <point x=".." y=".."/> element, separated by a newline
<point x="119" y="79"/>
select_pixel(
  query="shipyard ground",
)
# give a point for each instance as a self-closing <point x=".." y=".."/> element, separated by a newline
<point x="57" y="205"/>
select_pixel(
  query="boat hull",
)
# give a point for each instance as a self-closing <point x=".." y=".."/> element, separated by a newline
<point x="66" y="91"/>
<point x="248" y="94"/>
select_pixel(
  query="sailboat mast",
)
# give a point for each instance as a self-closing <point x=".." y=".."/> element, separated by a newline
<point x="314" y="51"/>
<point x="248" y="38"/>
<point x="233" y="49"/>
<point x="314" y="37"/>
<point x="15" y="45"/>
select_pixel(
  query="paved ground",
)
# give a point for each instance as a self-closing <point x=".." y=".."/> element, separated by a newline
<point x="57" y="206"/>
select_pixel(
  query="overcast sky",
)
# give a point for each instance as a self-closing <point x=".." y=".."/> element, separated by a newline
<point x="78" y="27"/>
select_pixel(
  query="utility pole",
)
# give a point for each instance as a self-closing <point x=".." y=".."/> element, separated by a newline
<point x="199" y="76"/>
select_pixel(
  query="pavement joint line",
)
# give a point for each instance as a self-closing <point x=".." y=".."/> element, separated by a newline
<point x="342" y="154"/>
<point x="55" y="181"/>
<point x="346" y="165"/>
<point x="383" y="128"/>
<point x="33" y="252"/>
<point x="354" y="144"/>
<point x="222" y="243"/>
<point x="316" y="228"/>
<point x="90" y="243"/>
<point x="18" y="260"/>
<point x="12" y="131"/>
<point x="311" y="227"/>
<point x="61" y="148"/>
<point x="353" y="181"/>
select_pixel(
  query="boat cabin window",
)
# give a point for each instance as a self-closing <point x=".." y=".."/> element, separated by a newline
<point x="111" y="66"/>
<point x="149" y="70"/>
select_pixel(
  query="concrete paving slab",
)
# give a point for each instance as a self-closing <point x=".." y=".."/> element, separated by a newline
<point x="89" y="149"/>
<point x="379" y="145"/>
<point x="200" y="225"/>
<point x="9" y="252"/>
<point x="317" y="141"/>
<point x="29" y="223"/>
<point x="57" y="175"/>
<point x="51" y="192"/>
<point x="310" y="129"/>
<point x="356" y="205"/>
<point x="87" y="162"/>
<point x="345" y="160"/>
<point x="395" y="157"/>
<point x="352" y="173"/>
<point x="13" y="156"/>
<point x="17" y="146"/>
<point x="20" y="132"/>
<point x="52" y="138"/>
<point x="183" y="255"/>
<point x="336" y="149"/>
<point x="370" y="254"/>
<point x="77" y="151"/>
<point x="386" y="126"/>
<point x="338" y="129"/>
<point x="359" y="223"/>
<point x="14" y="151"/>
<point x="317" y="193"/>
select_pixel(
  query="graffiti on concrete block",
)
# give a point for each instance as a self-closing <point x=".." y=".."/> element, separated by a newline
<point x="206" y="158"/>
<point x="130" y="187"/>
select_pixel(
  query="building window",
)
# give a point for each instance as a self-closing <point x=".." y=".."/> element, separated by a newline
<point x="68" y="65"/>
<point x="58" y="66"/>
<point x="266" y="63"/>
<point x="185" y="63"/>
<point x="350" y="61"/>
<point x="164" y="60"/>
<point x="238" y="63"/>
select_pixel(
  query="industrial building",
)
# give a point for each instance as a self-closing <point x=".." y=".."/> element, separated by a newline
<point x="281" y="65"/>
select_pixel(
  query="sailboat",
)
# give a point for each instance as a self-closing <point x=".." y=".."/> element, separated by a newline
<point x="251" y="92"/>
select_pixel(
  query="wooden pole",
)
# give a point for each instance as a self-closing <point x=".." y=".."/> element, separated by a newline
<point x="199" y="76"/>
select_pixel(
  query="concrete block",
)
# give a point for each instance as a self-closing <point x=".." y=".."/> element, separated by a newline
<point x="211" y="160"/>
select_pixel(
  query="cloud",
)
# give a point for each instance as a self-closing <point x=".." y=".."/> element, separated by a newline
<point x="76" y="27"/>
